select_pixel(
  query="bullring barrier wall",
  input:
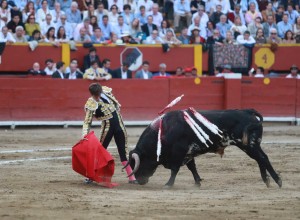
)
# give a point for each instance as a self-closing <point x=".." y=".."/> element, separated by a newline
<point x="19" y="58"/>
<point x="44" y="99"/>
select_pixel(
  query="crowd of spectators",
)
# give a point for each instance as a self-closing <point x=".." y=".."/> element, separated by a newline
<point x="150" y="22"/>
<point x="168" y="22"/>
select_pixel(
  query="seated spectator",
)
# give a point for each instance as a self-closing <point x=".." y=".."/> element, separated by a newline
<point x="100" y="12"/>
<point x="16" y="21"/>
<point x="20" y="35"/>
<point x="293" y="72"/>
<point x="252" y="28"/>
<point x="218" y="72"/>
<point x="296" y="30"/>
<point x="149" y="27"/>
<point x="216" y="38"/>
<point x="237" y="12"/>
<point x="35" y="71"/>
<point x="73" y="14"/>
<point x="260" y="38"/>
<point x="59" y="73"/>
<point x="268" y="25"/>
<point x="89" y="12"/>
<point x="58" y="12"/>
<point x="165" y="25"/>
<point x="50" y="37"/>
<point x="97" y="37"/>
<point x="195" y="37"/>
<point x="31" y="25"/>
<point x="144" y="73"/>
<point x="67" y="26"/>
<point x="61" y="35"/>
<point x="225" y="5"/>
<point x="153" y="38"/>
<point x="215" y="16"/>
<point x="197" y="24"/>
<point x="188" y="72"/>
<point x="50" y="67"/>
<point x="229" y="38"/>
<point x="123" y="72"/>
<point x="106" y="27"/>
<point x="5" y="15"/>
<point x="223" y="26"/>
<point x="141" y="15"/>
<point x="133" y="6"/>
<point x="113" y="15"/>
<point x="96" y="73"/>
<point x="120" y="27"/>
<point x="147" y="4"/>
<point x="88" y="59"/>
<point x="210" y="27"/>
<point x="75" y="61"/>
<point x="182" y="9"/>
<point x="127" y="14"/>
<point x="246" y="39"/>
<point x="292" y="14"/>
<point x="42" y="12"/>
<point x="183" y="37"/>
<point x="6" y="36"/>
<point x="83" y="37"/>
<point x="273" y="37"/>
<point x="85" y="24"/>
<point x="237" y="28"/>
<point x="227" y="69"/>
<point x="118" y="3"/>
<point x="194" y="71"/>
<point x="289" y="38"/>
<point x="162" y="71"/>
<point x="87" y="3"/>
<point x="179" y="72"/>
<point x="170" y="38"/>
<point x="268" y="12"/>
<point x="283" y="26"/>
<point x="259" y="73"/>
<point x="202" y="15"/>
<point x="73" y="72"/>
<point x="36" y="36"/>
<point x="279" y="13"/>
<point x="252" y="14"/>
<point x="106" y="66"/>
<point x="27" y="11"/>
<point x="157" y="16"/>
<point x="45" y="25"/>
<point x="94" y="22"/>
<point x="135" y="31"/>
<point x="127" y="39"/>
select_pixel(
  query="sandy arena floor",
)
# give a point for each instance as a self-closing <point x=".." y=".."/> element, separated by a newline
<point x="48" y="188"/>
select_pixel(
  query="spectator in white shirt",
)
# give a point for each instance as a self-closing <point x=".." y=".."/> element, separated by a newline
<point x="225" y="5"/>
<point x="57" y="13"/>
<point x="202" y="15"/>
<point x="6" y="36"/>
<point x="118" y="3"/>
<point x="50" y="67"/>
<point x="42" y="12"/>
<point x="67" y="26"/>
<point x="196" y="23"/>
<point x="113" y="15"/>
<point x="147" y="3"/>
<point x="182" y="9"/>
<point x="121" y="27"/>
<point x="156" y="15"/>
<point x="46" y="24"/>
<point x="86" y="25"/>
<point x="246" y="39"/>
<point x="153" y="38"/>
<point x="294" y="72"/>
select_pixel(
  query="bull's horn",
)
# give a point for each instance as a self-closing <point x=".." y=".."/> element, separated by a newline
<point x="136" y="158"/>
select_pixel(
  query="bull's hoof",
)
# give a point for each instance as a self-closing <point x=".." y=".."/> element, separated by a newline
<point x="267" y="181"/>
<point x="279" y="182"/>
<point x="167" y="187"/>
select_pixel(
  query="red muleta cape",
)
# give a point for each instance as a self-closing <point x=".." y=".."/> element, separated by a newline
<point x="92" y="160"/>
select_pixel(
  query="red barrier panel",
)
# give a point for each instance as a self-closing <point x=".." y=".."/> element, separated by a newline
<point x="177" y="56"/>
<point x="21" y="58"/>
<point x="280" y="60"/>
<point x="37" y="99"/>
<point x="208" y="94"/>
<point x="278" y="98"/>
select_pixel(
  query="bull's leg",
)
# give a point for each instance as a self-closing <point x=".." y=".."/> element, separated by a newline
<point x="171" y="181"/>
<point x="256" y="153"/>
<point x="192" y="167"/>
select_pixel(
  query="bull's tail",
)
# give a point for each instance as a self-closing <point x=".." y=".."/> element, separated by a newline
<point x="252" y="126"/>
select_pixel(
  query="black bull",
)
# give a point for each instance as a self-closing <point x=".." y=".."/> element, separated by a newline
<point x="242" y="128"/>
